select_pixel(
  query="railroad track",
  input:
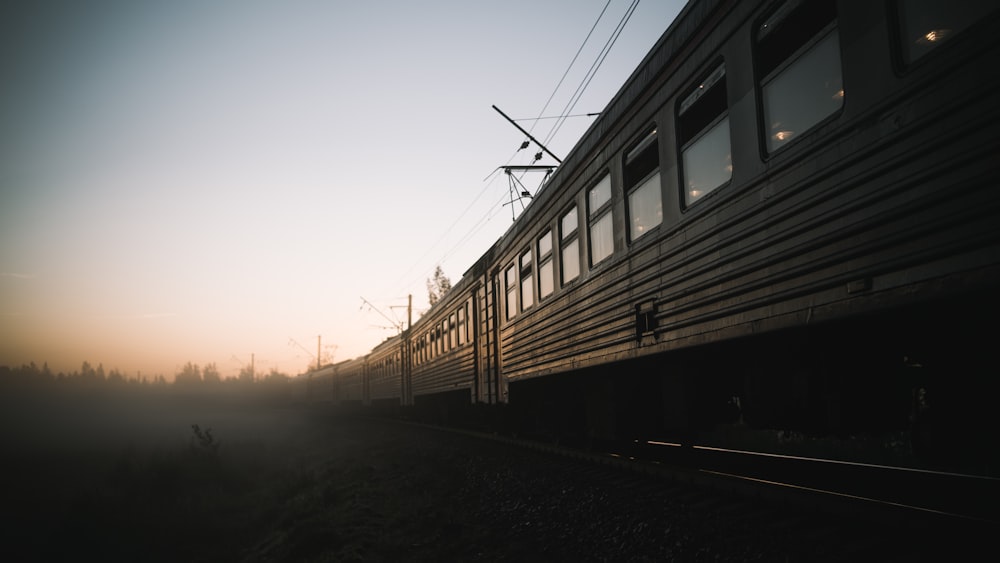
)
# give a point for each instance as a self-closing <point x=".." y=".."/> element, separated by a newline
<point x="955" y="499"/>
<point x="858" y="511"/>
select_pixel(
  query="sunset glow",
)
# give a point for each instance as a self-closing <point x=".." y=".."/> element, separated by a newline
<point x="208" y="182"/>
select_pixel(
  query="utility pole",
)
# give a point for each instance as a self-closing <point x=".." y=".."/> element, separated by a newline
<point x="319" y="351"/>
<point x="409" y="313"/>
<point x="398" y="325"/>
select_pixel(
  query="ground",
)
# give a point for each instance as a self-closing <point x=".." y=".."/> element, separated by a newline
<point x="274" y="484"/>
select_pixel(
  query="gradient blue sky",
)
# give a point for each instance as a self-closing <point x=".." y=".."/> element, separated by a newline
<point x="205" y="180"/>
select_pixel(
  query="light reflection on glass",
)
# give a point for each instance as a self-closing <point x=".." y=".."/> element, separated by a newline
<point x="645" y="206"/>
<point x="708" y="162"/>
<point x="927" y="24"/>
<point x="805" y="92"/>
<point x="934" y="35"/>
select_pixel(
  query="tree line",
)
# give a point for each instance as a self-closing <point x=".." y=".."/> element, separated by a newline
<point x="191" y="375"/>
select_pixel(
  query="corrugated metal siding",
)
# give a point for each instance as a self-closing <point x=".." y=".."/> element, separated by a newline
<point x="385" y="370"/>
<point x="882" y="201"/>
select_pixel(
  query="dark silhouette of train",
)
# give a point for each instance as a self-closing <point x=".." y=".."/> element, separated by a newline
<point x="786" y="223"/>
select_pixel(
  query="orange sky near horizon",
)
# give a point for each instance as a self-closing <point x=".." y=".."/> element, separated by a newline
<point x="210" y="182"/>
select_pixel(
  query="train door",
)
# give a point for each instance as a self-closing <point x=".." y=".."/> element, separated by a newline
<point x="490" y="386"/>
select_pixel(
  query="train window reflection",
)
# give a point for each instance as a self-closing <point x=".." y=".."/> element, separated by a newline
<point x="601" y="239"/>
<point x="599" y="195"/>
<point x="707" y="162"/>
<point x="927" y="24"/>
<point x="703" y="127"/>
<point x="601" y="232"/>
<point x="642" y="184"/>
<point x="569" y="247"/>
<point x="463" y="336"/>
<point x="510" y="286"/>
<point x="799" y="53"/>
<point x="645" y="207"/>
<point x="527" y="281"/>
<point x="546" y="275"/>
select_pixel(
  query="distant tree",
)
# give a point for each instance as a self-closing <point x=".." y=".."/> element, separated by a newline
<point x="275" y="376"/>
<point x="246" y="374"/>
<point x="115" y="377"/>
<point x="87" y="372"/>
<point x="189" y="375"/>
<point x="210" y="374"/>
<point x="437" y="286"/>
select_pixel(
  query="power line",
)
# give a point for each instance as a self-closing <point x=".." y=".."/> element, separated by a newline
<point x="571" y="63"/>
<point x="593" y="69"/>
<point x="558" y="116"/>
<point x="560" y="120"/>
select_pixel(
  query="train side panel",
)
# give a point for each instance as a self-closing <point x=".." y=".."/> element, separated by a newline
<point x="887" y="202"/>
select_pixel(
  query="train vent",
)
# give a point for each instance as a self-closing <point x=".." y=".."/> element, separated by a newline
<point x="645" y="320"/>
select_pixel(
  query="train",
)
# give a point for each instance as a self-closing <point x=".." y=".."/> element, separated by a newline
<point x="783" y="228"/>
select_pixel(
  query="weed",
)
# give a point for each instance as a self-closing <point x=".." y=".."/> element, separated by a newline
<point x="203" y="441"/>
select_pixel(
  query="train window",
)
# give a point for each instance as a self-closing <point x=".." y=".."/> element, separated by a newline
<point x="926" y="24"/>
<point x="798" y="51"/>
<point x="527" y="281"/>
<point x="468" y="320"/>
<point x="703" y="129"/>
<point x="602" y="242"/>
<point x="569" y="247"/>
<point x="510" y="286"/>
<point x="460" y="315"/>
<point x="546" y="275"/>
<point x="642" y="186"/>
<point x="452" y="332"/>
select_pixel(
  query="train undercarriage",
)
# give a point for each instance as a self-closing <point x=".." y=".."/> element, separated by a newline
<point x="913" y="386"/>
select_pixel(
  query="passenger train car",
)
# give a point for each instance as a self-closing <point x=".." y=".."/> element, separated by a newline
<point x="785" y="220"/>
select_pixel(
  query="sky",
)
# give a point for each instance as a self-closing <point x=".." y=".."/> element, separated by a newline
<point x="225" y="181"/>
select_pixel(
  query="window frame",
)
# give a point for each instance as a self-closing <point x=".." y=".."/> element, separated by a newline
<point x="510" y="287"/>
<point x="460" y="317"/>
<point x="717" y="88"/>
<point x="766" y="71"/>
<point x="526" y="280"/>
<point x="567" y="239"/>
<point x="546" y="259"/>
<point x="648" y="143"/>
<point x="903" y="59"/>
<point x="595" y="216"/>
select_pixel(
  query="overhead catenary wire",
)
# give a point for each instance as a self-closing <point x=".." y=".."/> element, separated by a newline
<point x="570" y="66"/>
<point x="563" y="78"/>
<point x="497" y="207"/>
<point x="593" y="70"/>
<point x="558" y="116"/>
<point x="406" y="280"/>
<point x="446" y="232"/>
<point x="588" y="77"/>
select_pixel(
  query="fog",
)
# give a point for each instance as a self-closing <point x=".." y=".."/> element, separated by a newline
<point x="89" y="420"/>
<point x="132" y="471"/>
